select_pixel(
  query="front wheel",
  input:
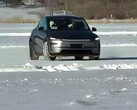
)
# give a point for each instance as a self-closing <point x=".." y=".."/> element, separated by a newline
<point x="33" y="55"/>
<point x="78" y="57"/>
<point x="46" y="53"/>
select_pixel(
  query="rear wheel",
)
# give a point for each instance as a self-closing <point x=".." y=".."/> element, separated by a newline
<point x="33" y="55"/>
<point x="46" y="53"/>
<point x="78" y="57"/>
<point x="94" y="57"/>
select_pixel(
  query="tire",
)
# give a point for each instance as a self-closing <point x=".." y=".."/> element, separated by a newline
<point x="46" y="53"/>
<point x="33" y="55"/>
<point x="94" y="57"/>
<point x="78" y="57"/>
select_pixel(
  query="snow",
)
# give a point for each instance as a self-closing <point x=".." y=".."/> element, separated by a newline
<point x="61" y="87"/>
<point x="118" y="33"/>
<point x="119" y="45"/>
<point x="124" y="89"/>
<point x="71" y="67"/>
<point x="120" y="66"/>
<point x="15" y="34"/>
<point x="59" y="68"/>
<point x="16" y="69"/>
<point x="28" y="65"/>
<point x="13" y="46"/>
<point x="89" y="96"/>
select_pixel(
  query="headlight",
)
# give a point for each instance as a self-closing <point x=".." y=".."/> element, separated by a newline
<point x="97" y="38"/>
<point x="54" y="39"/>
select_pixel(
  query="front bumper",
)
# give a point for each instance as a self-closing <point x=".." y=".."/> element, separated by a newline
<point x="74" y="47"/>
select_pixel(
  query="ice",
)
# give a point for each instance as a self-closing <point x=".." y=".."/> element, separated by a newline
<point x="98" y="33"/>
<point x="103" y="45"/>
<point x="119" y="45"/>
<point x="14" y="70"/>
<point x="59" y="90"/>
<point x="118" y="33"/>
<point x="15" y="34"/>
<point x="13" y="47"/>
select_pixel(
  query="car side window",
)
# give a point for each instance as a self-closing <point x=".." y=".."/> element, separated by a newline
<point x="43" y="24"/>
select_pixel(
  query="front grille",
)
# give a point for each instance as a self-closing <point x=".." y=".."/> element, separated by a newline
<point x="77" y="52"/>
<point x="76" y="46"/>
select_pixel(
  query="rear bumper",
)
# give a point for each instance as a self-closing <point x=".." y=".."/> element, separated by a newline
<point x="74" y="48"/>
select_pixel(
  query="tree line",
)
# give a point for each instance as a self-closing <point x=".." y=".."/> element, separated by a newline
<point x="92" y="9"/>
<point x="97" y="9"/>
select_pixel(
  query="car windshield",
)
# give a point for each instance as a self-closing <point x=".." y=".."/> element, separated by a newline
<point x="67" y="24"/>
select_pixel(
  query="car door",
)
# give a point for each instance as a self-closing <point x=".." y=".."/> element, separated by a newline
<point x="41" y="34"/>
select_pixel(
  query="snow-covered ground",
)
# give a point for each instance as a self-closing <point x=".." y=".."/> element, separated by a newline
<point x="75" y="90"/>
<point x="107" y="84"/>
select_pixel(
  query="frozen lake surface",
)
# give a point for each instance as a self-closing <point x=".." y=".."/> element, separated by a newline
<point x="107" y="84"/>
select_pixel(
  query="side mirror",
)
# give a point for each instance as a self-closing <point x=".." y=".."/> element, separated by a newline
<point x="94" y="29"/>
<point x="41" y="29"/>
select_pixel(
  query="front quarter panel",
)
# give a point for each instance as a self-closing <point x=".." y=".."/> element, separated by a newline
<point x="40" y="37"/>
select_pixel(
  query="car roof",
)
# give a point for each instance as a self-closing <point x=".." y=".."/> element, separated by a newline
<point x="63" y="16"/>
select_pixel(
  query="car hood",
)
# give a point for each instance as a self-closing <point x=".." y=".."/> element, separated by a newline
<point x="72" y="34"/>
